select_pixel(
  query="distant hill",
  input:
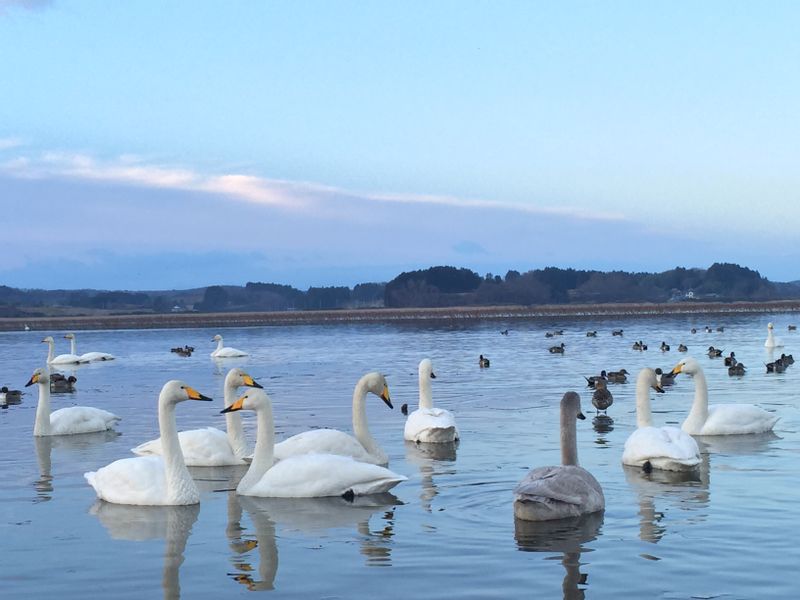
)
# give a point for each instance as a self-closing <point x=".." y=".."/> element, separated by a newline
<point x="441" y="286"/>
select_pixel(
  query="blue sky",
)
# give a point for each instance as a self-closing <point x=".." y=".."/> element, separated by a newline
<point x="151" y="145"/>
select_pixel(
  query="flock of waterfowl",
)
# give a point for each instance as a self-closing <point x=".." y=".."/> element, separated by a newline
<point x="330" y="462"/>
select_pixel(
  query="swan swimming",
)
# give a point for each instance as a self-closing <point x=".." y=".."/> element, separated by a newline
<point x="720" y="419"/>
<point x="210" y="447"/>
<point x="362" y="447"/>
<point x="88" y="356"/>
<point x="429" y="424"/>
<point x="665" y="448"/>
<point x="306" y="475"/>
<point x="564" y="491"/>
<point x="225" y="351"/>
<point x="772" y="341"/>
<point x="153" y="480"/>
<point x="66" y="421"/>
<point x="61" y="359"/>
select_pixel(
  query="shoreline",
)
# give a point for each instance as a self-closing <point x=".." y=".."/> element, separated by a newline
<point x="386" y="315"/>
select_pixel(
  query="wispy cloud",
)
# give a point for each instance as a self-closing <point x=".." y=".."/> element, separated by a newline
<point x="6" y="5"/>
<point x="10" y="142"/>
<point x="295" y="195"/>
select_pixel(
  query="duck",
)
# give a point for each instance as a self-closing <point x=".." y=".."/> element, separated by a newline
<point x="225" y="351"/>
<point x="616" y="332"/>
<point x="61" y="359"/>
<point x="591" y="334"/>
<point x="683" y="348"/>
<point x="694" y="330"/>
<point x="720" y="419"/>
<point x="663" y="448"/>
<point x="428" y="424"/>
<point x="592" y="380"/>
<point x="65" y="421"/>
<point x="602" y="398"/>
<point x="59" y="384"/>
<point x="736" y="370"/>
<point x="88" y="356"/>
<point x="772" y="341"/>
<point x="620" y="376"/>
<point x="11" y="396"/>
<point x="153" y="480"/>
<point x="504" y="332"/>
<point x="557" y="349"/>
<point x="313" y="475"/>
<point x="730" y="360"/>
<point x="483" y="362"/>
<point x="787" y="359"/>
<point x="777" y="366"/>
<point x="792" y="327"/>
<point x="664" y="347"/>
<point x="714" y="352"/>
<point x="563" y="491"/>
<point x="664" y="379"/>
<point x="211" y="447"/>
<point x="361" y="446"/>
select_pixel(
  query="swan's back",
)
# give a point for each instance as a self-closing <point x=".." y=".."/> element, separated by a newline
<point x="667" y="448"/>
<point x="431" y="425"/>
<point x="321" y="475"/>
<point x="81" y="419"/>
<point x="326" y="441"/>
<point x="558" y="492"/>
<point x="732" y="419"/>
<point x="207" y="447"/>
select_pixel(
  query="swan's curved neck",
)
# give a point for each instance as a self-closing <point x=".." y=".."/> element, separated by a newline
<point x="51" y="346"/>
<point x="425" y="396"/>
<point x="233" y="422"/>
<point x="644" y="417"/>
<point x="177" y="475"/>
<point x="569" y="441"/>
<point x="72" y="345"/>
<point x="699" y="413"/>
<point x="360" y="427"/>
<point x="42" y="424"/>
<point x="219" y="344"/>
<point x="263" y="456"/>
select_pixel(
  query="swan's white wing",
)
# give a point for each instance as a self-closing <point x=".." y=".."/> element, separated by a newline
<point x="323" y="441"/>
<point x="207" y="447"/>
<point x="557" y="492"/>
<point x="227" y="352"/>
<point x="138" y="481"/>
<point x="667" y="448"/>
<point x="319" y="475"/>
<point x="81" y="419"/>
<point x="67" y="359"/>
<point x="431" y="425"/>
<point x="96" y="356"/>
<point x="732" y="419"/>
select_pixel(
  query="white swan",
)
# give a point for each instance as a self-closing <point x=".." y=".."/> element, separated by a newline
<point x="564" y="491"/>
<point x="362" y="447"/>
<point x="429" y="424"/>
<point x="152" y="480"/>
<point x="772" y="341"/>
<point x="225" y="351"/>
<point x="61" y="359"/>
<point x="88" y="356"/>
<point x="210" y="447"/>
<point x="720" y="419"/>
<point x="307" y="475"/>
<point x="665" y="448"/>
<point x="66" y="421"/>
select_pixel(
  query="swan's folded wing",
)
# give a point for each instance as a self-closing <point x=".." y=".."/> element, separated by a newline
<point x="323" y="441"/>
<point x="725" y="419"/>
<point x="562" y="483"/>
<point x="81" y="419"/>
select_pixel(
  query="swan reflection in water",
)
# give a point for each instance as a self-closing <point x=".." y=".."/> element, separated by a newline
<point x="76" y="443"/>
<point x="566" y="536"/>
<point x="305" y="516"/>
<point x="173" y="524"/>
<point x="669" y="497"/>
<point x="431" y="459"/>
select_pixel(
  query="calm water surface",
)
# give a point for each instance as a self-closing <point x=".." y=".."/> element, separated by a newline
<point x="448" y="532"/>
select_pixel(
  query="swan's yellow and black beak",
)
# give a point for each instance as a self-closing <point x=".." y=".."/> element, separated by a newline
<point x="581" y="416"/>
<point x="238" y="405"/>
<point x="34" y="379"/>
<point x="678" y="369"/>
<point x="250" y="382"/>
<point x="193" y="394"/>
<point x="385" y="396"/>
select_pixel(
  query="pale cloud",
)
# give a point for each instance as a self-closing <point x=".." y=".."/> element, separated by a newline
<point x="6" y="5"/>
<point x="10" y="142"/>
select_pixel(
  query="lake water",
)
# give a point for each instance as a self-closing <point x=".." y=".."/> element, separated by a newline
<point x="448" y="532"/>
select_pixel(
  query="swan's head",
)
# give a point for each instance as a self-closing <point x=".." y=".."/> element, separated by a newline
<point x="770" y="326"/>
<point x="688" y="365"/>
<point x="571" y="405"/>
<point x="69" y="336"/>
<point x="178" y="391"/>
<point x="238" y="378"/>
<point x="216" y="338"/>
<point x="48" y="340"/>
<point x="254" y="399"/>
<point x="426" y="369"/>
<point x="40" y="375"/>
<point x="376" y="383"/>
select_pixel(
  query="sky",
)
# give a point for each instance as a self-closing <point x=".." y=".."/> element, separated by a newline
<point x="158" y="145"/>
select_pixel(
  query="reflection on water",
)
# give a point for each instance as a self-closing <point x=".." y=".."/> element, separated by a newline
<point x="242" y="543"/>
<point x="602" y="424"/>
<point x="737" y="445"/>
<point x="566" y="536"/>
<point x="672" y="490"/>
<point x="173" y="524"/>
<point x="428" y="458"/>
<point x="76" y="443"/>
